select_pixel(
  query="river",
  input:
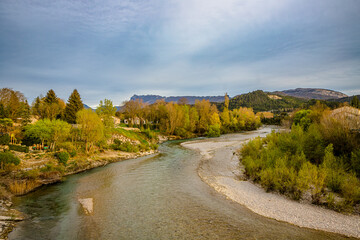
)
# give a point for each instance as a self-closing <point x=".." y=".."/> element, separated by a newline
<point x="153" y="197"/>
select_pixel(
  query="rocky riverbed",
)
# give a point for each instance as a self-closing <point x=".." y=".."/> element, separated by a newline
<point x="8" y="218"/>
<point x="220" y="168"/>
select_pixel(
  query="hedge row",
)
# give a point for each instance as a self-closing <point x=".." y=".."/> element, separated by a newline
<point x="19" y="148"/>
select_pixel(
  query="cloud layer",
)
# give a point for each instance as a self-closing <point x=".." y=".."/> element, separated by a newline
<point x="114" y="49"/>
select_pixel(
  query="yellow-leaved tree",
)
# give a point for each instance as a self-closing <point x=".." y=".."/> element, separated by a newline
<point x="90" y="127"/>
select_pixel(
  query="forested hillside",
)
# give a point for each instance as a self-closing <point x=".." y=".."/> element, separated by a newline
<point x="261" y="101"/>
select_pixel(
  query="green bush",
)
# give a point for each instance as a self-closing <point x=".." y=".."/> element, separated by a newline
<point x="154" y="146"/>
<point x="213" y="131"/>
<point x="62" y="157"/>
<point x="355" y="162"/>
<point x="350" y="188"/>
<point x="73" y="153"/>
<point x="67" y="146"/>
<point x="7" y="159"/>
<point x="299" y="161"/>
<point x="19" y="148"/>
<point x="31" y="174"/>
<point x="314" y="145"/>
<point x="144" y="147"/>
<point x="124" y="146"/>
<point x="302" y="119"/>
<point x="149" y="134"/>
<point x="5" y="139"/>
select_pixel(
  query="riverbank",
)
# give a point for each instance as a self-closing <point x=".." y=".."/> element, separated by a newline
<point x="9" y="216"/>
<point x="220" y="169"/>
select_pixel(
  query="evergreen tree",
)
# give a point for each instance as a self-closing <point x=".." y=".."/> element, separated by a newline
<point x="355" y="102"/>
<point x="36" y="106"/>
<point x="72" y="107"/>
<point x="2" y="111"/>
<point x="25" y="113"/>
<point x="51" y="97"/>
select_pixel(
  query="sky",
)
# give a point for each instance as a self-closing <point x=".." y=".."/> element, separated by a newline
<point x="114" y="49"/>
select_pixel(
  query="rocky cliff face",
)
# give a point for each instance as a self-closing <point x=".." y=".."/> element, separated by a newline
<point x="313" y="93"/>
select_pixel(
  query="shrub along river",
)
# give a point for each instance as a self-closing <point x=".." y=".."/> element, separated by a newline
<point x="153" y="197"/>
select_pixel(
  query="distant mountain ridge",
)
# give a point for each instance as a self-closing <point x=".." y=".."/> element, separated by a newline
<point x="312" y="93"/>
<point x="150" y="99"/>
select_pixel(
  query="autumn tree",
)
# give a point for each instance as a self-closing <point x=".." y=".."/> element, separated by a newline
<point x="225" y="115"/>
<point x="90" y="127"/>
<point x="175" y="117"/>
<point x="205" y="111"/>
<point x="226" y="101"/>
<point x="12" y="103"/>
<point x="183" y="101"/>
<point x="73" y="105"/>
<point x="133" y="109"/>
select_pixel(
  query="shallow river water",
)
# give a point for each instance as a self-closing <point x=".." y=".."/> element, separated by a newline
<point x="154" y="197"/>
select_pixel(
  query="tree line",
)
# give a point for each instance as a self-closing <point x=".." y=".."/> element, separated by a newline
<point x="58" y="122"/>
<point x="184" y="120"/>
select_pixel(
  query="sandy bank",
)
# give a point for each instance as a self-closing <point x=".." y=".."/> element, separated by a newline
<point x="220" y="169"/>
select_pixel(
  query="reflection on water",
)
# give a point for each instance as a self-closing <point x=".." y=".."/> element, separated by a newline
<point x="156" y="197"/>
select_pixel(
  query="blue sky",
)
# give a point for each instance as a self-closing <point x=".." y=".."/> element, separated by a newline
<point x="114" y="49"/>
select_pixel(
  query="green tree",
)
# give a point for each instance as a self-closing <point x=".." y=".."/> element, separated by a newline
<point x="106" y="111"/>
<point x="60" y="131"/>
<point x="73" y="105"/>
<point x="314" y="145"/>
<point x="355" y="102"/>
<point x="90" y="126"/>
<point x="41" y="130"/>
<point x="36" y="106"/>
<point x="52" y="106"/>
<point x="2" y="111"/>
<point x="303" y="119"/>
<point x="25" y="113"/>
<point x="50" y="97"/>
<point x="6" y="124"/>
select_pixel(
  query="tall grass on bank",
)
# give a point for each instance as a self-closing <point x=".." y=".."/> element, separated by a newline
<point x="20" y="187"/>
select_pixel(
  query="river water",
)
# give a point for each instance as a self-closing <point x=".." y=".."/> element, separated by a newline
<point x="153" y="197"/>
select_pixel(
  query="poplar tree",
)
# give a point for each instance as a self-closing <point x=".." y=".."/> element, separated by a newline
<point x="73" y="105"/>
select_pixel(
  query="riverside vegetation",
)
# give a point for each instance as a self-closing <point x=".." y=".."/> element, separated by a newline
<point x="50" y="139"/>
<point x="318" y="160"/>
